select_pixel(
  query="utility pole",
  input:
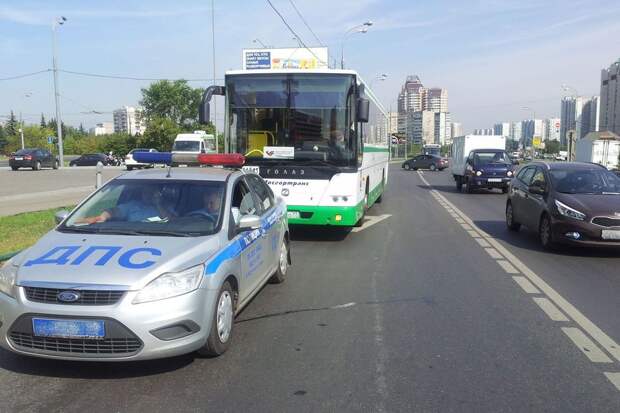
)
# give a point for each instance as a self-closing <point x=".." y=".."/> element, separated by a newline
<point x="21" y="128"/>
<point x="217" y="138"/>
<point x="59" y="21"/>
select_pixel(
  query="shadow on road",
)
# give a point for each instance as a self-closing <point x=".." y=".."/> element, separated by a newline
<point x="526" y="239"/>
<point x="90" y="370"/>
<point x="315" y="233"/>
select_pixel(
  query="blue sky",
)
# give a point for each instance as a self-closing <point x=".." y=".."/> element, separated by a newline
<point x="493" y="56"/>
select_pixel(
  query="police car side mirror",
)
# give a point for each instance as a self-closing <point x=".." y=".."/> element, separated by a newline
<point x="61" y="215"/>
<point x="249" y="222"/>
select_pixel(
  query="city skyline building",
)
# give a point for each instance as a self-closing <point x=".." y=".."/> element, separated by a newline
<point x="609" y="118"/>
<point x="130" y="120"/>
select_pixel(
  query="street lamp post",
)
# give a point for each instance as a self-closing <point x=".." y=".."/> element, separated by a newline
<point x="263" y="45"/>
<point x="59" y="21"/>
<point x="380" y="78"/>
<point x="362" y="28"/>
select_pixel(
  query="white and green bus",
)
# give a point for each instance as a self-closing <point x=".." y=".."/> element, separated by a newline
<point x="318" y="137"/>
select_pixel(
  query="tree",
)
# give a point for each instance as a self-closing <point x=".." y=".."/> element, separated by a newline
<point x="552" y="147"/>
<point x="160" y="133"/>
<point x="173" y="100"/>
<point x="43" y="124"/>
<point x="11" y="125"/>
<point x="3" y="139"/>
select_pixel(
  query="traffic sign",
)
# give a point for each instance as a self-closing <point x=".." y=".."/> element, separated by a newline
<point x="536" y="141"/>
<point x="50" y="140"/>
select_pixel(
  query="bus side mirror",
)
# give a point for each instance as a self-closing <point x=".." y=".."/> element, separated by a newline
<point x="363" y="109"/>
<point x="204" y="110"/>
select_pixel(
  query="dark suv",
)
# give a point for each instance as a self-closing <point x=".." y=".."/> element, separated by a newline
<point x="573" y="202"/>
<point x="488" y="168"/>
<point x="34" y="158"/>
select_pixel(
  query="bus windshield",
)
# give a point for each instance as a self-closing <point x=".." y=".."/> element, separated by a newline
<point x="309" y="116"/>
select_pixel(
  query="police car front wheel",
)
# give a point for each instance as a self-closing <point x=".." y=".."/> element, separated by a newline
<point x="222" y="324"/>
<point x="283" y="260"/>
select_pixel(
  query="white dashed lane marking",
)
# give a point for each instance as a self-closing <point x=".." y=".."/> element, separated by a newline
<point x="551" y="310"/>
<point x="586" y="345"/>
<point x="557" y="308"/>
<point x="508" y="267"/>
<point x="527" y="286"/>
<point x="493" y="253"/>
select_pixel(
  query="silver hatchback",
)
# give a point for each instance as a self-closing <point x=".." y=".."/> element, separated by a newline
<point x="154" y="264"/>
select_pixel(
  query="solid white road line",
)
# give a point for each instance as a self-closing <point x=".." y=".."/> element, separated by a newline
<point x="586" y="345"/>
<point x="614" y="378"/>
<point x="483" y="243"/>
<point x="508" y="267"/>
<point x="527" y="286"/>
<point x="473" y="234"/>
<point x="570" y="310"/>
<point x="493" y="253"/>
<point x="551" y="310"/>
<point x="467" y="227"/>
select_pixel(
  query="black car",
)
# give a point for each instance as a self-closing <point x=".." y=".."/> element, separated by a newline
<point x="34" y="158"/>
<point x="432" y="162"/>
<point x="566" y="202"/>
<point x="90" y="159"/>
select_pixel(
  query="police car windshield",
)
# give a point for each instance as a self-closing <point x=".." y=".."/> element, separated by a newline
<point x="160" y="208"/>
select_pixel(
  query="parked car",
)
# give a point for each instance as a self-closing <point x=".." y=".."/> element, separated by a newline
<point x="432" y="162"/>
<point x="147" y="267"/>
<point x="130" y="162"/>
<point x="573" y="202"/>
<point x="90" y="159"/>
<point x="34" y="158"/>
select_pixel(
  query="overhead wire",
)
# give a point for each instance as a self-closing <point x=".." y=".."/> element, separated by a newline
<point x="305" y="22"/>
<point x="294" y="33"/>
<point x="25" y="75"/>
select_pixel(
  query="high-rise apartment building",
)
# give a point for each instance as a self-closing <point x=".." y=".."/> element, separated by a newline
<point x="456" y="129"/>
<point x="411" y="96"/>
<point x="531" y="128"/>
<point x="579" y="113"/>
<point x="516" y="131"/>
<point x="393" y="122"/>
<point x="502" y="129"/>
<point x="551" y="129"/>
<point x="129" y="120"/>
<point x="421" y="127"/>
<point x="609" y="119"/>
<point x="436" y="100"/>
<point x="441" y="128"/>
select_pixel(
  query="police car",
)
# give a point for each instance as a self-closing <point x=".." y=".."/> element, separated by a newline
<point x="154" y="264"/>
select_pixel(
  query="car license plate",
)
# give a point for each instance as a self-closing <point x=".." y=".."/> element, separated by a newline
<point x="251" y="169"/>
<point x="610" y="234"/>
<point x="91" y="329"/>
<point x="19" y="158"/>
<point x="293" y="214"/>
<point x="494" y="179"/>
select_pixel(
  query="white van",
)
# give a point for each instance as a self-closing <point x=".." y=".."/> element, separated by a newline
<point x="194" y="143"/>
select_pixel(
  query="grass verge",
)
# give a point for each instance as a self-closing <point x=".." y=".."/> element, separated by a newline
<point x="22" y="230"/>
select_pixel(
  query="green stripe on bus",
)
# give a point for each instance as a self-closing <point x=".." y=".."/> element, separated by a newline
<point x="374" y="149"/>
<point x="326" y="215"/>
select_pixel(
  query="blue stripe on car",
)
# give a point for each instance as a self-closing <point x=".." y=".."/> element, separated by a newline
<point x="242" y="242"/>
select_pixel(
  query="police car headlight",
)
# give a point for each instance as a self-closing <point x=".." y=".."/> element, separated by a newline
<point x="171" y="284"/>
<point x="8" y="273"/>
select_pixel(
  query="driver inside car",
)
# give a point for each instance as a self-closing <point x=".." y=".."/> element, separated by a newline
<point x="211" y="203"/>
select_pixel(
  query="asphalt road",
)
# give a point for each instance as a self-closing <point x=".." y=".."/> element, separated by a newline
<point x="4" y="163"/>
<point x="25" y="190"/>
<point x="412" y="312"/>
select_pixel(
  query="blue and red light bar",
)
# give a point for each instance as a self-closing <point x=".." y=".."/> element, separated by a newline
<point x="230" y="160"/>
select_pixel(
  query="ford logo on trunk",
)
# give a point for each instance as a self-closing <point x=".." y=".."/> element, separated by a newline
<point x="68" y="296"/>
